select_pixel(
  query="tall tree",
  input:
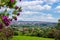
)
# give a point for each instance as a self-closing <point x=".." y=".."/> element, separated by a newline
<point x="57" y="33"/>
<point x="58" y="24"/>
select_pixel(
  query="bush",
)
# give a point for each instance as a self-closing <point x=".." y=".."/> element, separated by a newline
<point x="51" y="33"/>
<point x="57" y="35"/>
<point x="16" y="33"/>
<point x="40" y="33"/>
<point x="6" y="33"/>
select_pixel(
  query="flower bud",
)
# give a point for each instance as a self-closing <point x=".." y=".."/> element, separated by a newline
<point x="18" y="14"/>
<point x="16" y="7"/>
<point x="19" y="0"/>
<point x="12" y="1"/>
<point x="15" y="18"/>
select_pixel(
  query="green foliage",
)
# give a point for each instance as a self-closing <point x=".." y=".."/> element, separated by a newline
<point x="57" y="35"/>
<point x="15" y="12"/>
<point x="16" y="33"/>
<point x="58" y="25"/>
<point x="6" y="34"/>
<point x="7" y="3"/>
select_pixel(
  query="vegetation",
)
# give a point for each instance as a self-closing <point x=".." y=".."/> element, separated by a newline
<point x="57" y="33"/>
<point x="37" y="31"/>
<point x="30" y="38"/>
<point x="27" y="31"/>
<point x="5" y="31"/>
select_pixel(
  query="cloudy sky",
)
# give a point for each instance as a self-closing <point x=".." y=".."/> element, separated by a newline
<point x="40" y="10"/>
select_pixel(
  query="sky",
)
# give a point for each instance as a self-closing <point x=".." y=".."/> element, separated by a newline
<point x="39" y="10"/>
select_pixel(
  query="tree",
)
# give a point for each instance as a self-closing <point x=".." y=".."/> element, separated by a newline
<point x="58" y="25"/>
<point x="57" y="33"/>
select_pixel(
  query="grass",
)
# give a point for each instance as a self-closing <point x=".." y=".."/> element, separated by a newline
<point x="30" y="38"/>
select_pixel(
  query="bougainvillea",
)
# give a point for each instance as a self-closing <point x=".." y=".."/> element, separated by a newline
<point x="4" y="16"/>
<point x="12" y="1"/>
<point x="5" y="20"/>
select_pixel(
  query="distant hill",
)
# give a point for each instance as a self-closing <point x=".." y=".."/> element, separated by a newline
<point x="40" y="23"/>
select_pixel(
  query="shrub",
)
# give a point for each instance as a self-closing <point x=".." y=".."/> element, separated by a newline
<point x="51" y="33"/>
<point x="16" y="33"/>
<point x="57" y="35"/>
<point x="6" y="33"/>
<point x="5" y="19"/>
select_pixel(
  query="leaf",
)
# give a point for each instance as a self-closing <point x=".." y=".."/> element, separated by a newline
<point x="7" y="14"/>
<point x="15" y="12"/>
<point x="20" y="9"/>
<point x="0" y="19"/>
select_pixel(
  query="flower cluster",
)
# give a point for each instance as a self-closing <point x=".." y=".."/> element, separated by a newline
<point x="12" y="1"/>
<point x="6" y="20"/>
<point x="4" y="17"/>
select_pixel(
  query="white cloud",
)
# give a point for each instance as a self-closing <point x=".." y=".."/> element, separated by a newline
<point x="57" y="9"/>
<point x="29" y="3"/>
<point x="42" y="17"/>
<point x="47" y="16"/>
<point x="34" y="5"/>
<point x="47" y="7"/>
<point x="37" y="7"/>
<point x="51" y="1"/>
<point x="30" y="12"/>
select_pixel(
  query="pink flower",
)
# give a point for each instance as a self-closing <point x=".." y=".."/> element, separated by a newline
<point x="6" y="20"/>
<point x="16" y="7"/>
<point x="4" y="17"/>
<point x="12" y="1"/>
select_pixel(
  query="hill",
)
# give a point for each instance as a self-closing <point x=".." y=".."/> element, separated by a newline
<point x="39" y="23"/>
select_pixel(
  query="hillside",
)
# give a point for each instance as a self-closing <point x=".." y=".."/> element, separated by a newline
<point x="39" y="23"/>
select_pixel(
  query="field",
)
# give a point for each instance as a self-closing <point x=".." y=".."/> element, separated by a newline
<point x="30" y="38"/>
